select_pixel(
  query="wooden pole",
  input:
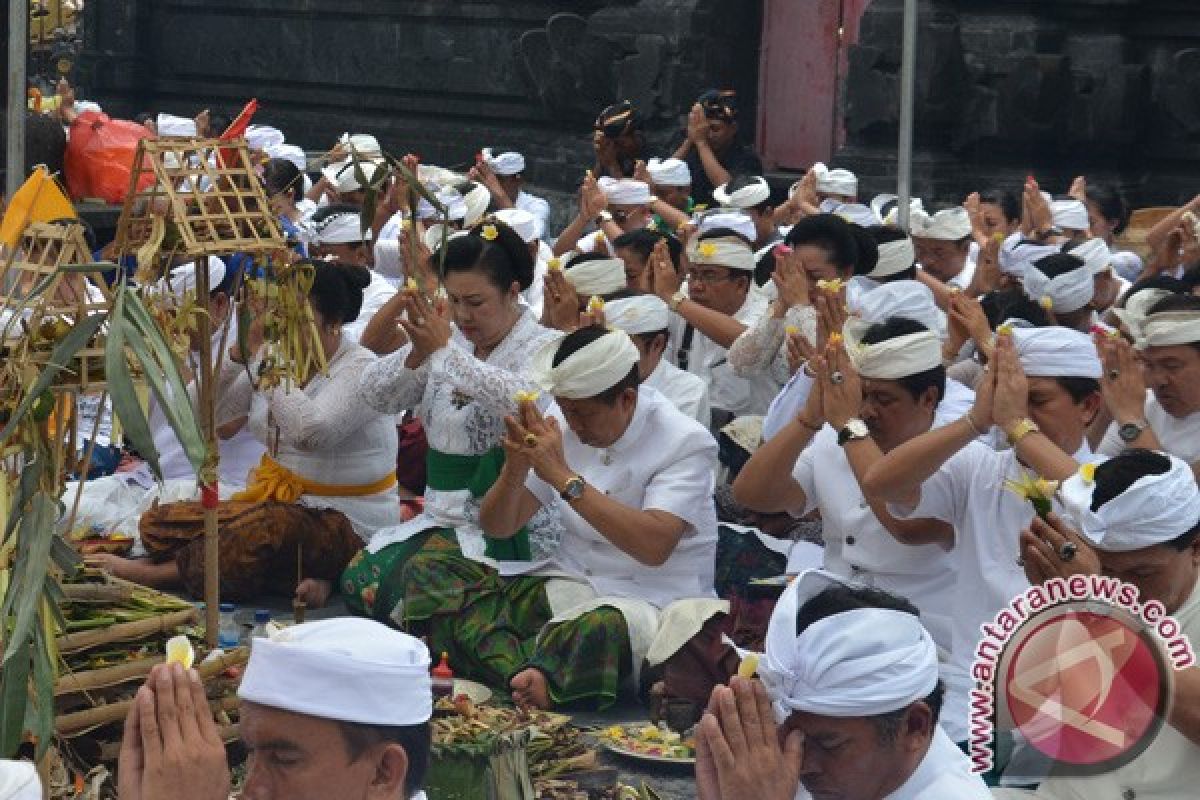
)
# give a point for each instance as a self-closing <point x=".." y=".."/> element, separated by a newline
<point x="208" y="475"/>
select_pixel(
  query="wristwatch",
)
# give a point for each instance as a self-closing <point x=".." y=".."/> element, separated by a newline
<point x="572" y="490"/>
<point x="855" y="429"/>
<point x="604" y="216"/>
<point x="1130" y="431"/>
<point x="676" y="299"/>
<point x="1020" y="429"/>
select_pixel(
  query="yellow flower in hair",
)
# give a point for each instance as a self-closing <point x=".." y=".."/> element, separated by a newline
<point x="1047" y="302"/>
<point x="489" y="232"/>
<point x="707" y="249"/>
<point x="595" y="304"/>
<point x="554" y="264"/>
<point x="1088" y="473"/>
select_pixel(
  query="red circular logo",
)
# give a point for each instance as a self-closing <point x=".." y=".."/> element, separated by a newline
<point x="1088" y="689"/>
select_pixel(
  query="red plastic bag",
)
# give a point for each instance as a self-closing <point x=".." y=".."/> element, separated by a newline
<point x="100" y="154"/>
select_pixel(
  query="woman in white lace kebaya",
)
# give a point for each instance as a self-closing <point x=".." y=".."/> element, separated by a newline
<point x="461" y="366"/>
<point x="327" y="483"/>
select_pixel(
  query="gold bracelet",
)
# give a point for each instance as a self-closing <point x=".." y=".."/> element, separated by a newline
<point x="1020" y="429"/>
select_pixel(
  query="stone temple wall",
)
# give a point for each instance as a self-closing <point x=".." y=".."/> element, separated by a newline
<point x="434" y="77"/>
<point x="1053" y="88"/>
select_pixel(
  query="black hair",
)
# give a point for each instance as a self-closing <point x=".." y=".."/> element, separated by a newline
<point x="1111" y="204"/>
<point x="642" y="242"/>
<point x="1079" y="388"/>
<point x="1012" y="303"/>
<point x="504" y="259"/>
<point x="325" y="212"/>
<point x="1009" y="205"/>
<point x="886" y="234"/>
<point x="739" y="182"/>
<point x="764" y="267"/>
<point x="1117" y="474"/>
<point x="415" y="739"/>
<point x="868" y="249"/>
<point x="720" y="233"/>
<point x="1057" y="264"/>
<point x="832" y="234"/>
<point x="580" y="338"/>
<point x="1176" y="302"/>
<point x="580" y="257"/>
<point x="917" y="383"/>
<point x="337" y="289"/>
<point x="840" y="599"/>
<point x="283" y="177"/>
<point x="143" y="117"/>
<point x="1158" y="281"/>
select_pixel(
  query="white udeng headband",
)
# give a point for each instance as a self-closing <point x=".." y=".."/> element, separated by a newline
<point x="645" y="313"/>
<point x="894" y="257"/>
<point x="1155" y="509"/>
<point x="588" y="372"/>
<point x="1064" y="293"/>
<point x="895" y="358"/>
<point x="1168" y="328"/>
<point x="601" y="276"/>
<point x="858" y="663"/>
<point x="723" y="251"/>
<point x="1137" y="308"/>
<point x="746" y="197"/>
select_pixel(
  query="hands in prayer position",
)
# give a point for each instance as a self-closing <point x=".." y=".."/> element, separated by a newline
<point x="1052" y="549"/>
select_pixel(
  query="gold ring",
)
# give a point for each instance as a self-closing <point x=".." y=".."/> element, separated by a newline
<point x="530" y="440"/>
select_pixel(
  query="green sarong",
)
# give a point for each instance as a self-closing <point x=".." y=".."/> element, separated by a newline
<point x="494" y="627"/>
<point x="371" y="583"/>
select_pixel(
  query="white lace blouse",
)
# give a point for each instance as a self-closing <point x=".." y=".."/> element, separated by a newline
<point x="462" y="401"/>
<point x="322" y="433"/>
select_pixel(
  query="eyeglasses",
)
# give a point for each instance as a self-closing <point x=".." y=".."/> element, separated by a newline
<point x="708" y="277"/>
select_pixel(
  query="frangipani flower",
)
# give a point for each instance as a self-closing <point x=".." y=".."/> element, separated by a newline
<point x="595" y="304"/>
<point x="554" y="264"/>
<point x="180" y="651"/>
<point x="489" y="232"/>
<point x="1047" y="302"/>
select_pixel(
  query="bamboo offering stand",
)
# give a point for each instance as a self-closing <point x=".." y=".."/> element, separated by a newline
<point x="205" y="200"/>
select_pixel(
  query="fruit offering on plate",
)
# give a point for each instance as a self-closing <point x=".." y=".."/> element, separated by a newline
<point x="650" y="740"/>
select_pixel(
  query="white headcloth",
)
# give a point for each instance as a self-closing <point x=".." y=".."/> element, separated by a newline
<point x="645" y="313"/>
<point x="264" y="137"/>
<point x="183" y="277"/>
<point x="347" y="669"/>
<point x="1154" y="509"/>
<point x="950" y="225"/>
<point x="835" y="181"/>
<point x="1137" y="308"/>
<point x="721" y="251"/>
<point x="1057" y="352"/>
<point x="858" y="663"/>
<point x="171" y="125"/>
<point x="1169" y="328"/>
<point x="625" y="191"/>
<point x="342" y="228"/>
<point x="590" y="371"/>
<point x="1070" y="214"/>
<point x="289" y="152"/>
<point x="669" y="172"/>
<point x="599" y="277"/>
<point x="894" y="358"/>
<point x="887" y="207"/>
<point x="752" y="194"/>
<point x="522" y="222"/>
<point x="19" y="781"/>
<point x="1067" y="292"/>
<point x="894" y="257"/>
<point x="909" y="299"/>
<point x="857" y="213"/>
<point x="510" y="163"/>
<point x="1017" y="253"/>
<point x="737" y="221"/>
<point x="1096" y="254"/>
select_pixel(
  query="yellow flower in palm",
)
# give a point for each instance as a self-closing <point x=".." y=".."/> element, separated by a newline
<point x="595" y="304"/>
<point x="554" y="264"/>
<point x="707" y="249"/>
<point x="1005" y="330"/>
<point x="835" y="338"/>
<point x="833" y="286"/>
<point x="1036" y="491"/>
<point x="526" y="397"/>
<point x="410" y="285"/>
<point x="749" y="666"/>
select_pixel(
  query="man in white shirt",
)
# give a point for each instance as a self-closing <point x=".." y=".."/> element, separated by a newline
<point x="1136" y="517"/>
<point x="632" y="480"/>
<point x="889" y="389"/>
<point x="1168" y="416"/>
<point x="1042" y="391"/>
<point x="340" y="237"/>
<point x="943" y="243"/>
<point x="847" y="708"/>
<point x="646" y="318"/>
<point x="335" y="708"/>
<point x="504" y="176"/>
<point x="719" y="303"/>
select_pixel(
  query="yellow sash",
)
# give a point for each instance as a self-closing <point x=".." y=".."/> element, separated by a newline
<point x="272" y="481"/>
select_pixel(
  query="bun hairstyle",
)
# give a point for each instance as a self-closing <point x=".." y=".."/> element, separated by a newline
<point x="337" y="290"/>
<point x="832" y="234"/>
<point x="868" y="249"/>
<point x="503" y="258"/>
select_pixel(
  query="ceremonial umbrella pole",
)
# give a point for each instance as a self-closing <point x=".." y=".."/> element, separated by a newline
<point x="908" y="74"/>
<point x="18" y="41"/>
